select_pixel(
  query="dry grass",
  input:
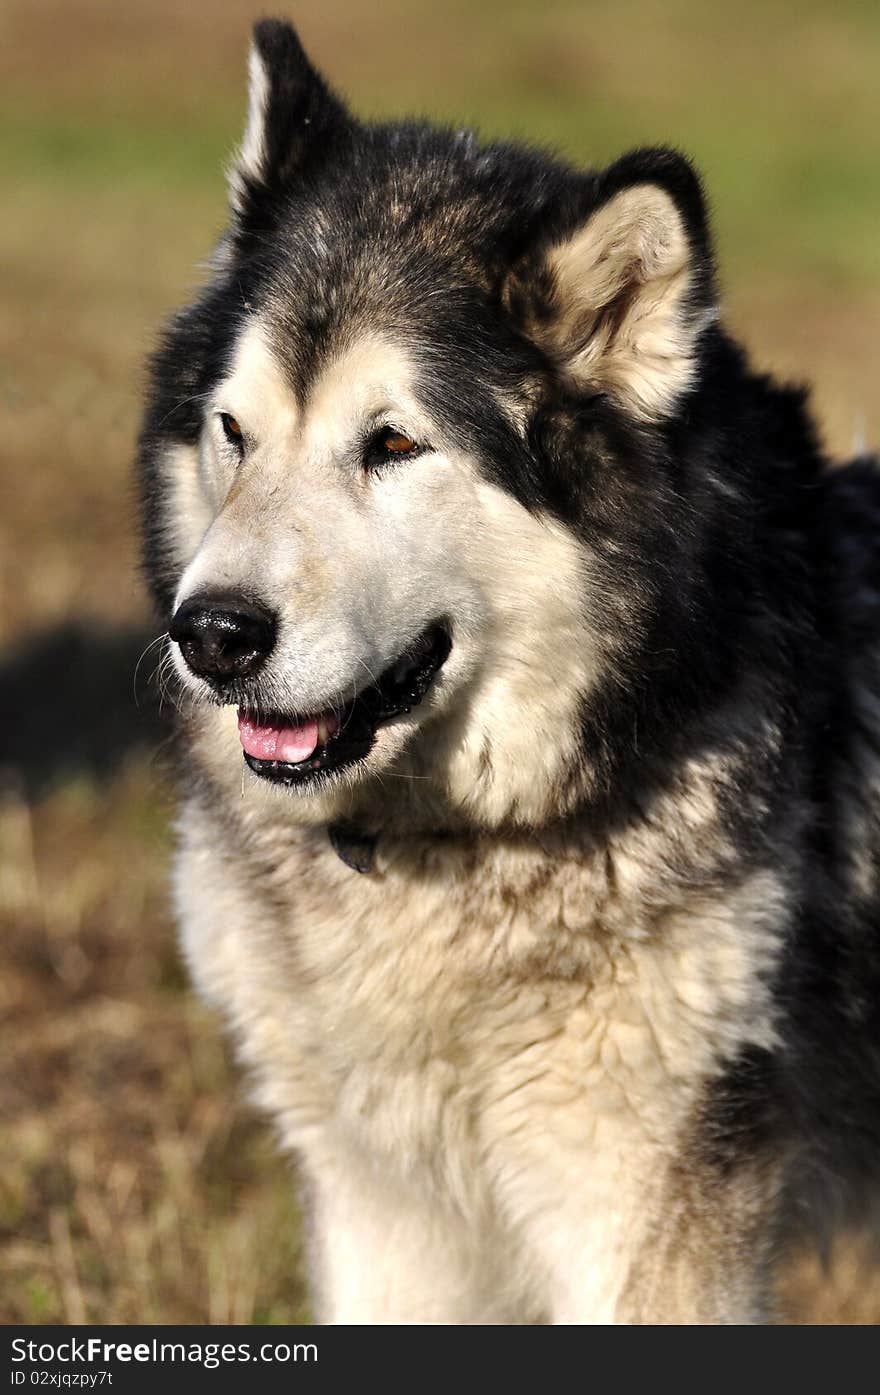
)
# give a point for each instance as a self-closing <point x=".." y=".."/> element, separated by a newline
<point x="135" y="1184"/>
<point x="135" y="1187"/>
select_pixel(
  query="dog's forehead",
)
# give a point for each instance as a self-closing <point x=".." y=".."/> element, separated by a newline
<point x="391" y="307"/>
<point x="334" y="292"/>
<point x="256" y="374"/>
<point x="366" y="372"/>
<point x="404" y="240"/>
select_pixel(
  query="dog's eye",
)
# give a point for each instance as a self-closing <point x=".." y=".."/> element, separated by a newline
<point x="397" y="443"/>
<point x="231" y="430"/>
<point x="390" y="444"/>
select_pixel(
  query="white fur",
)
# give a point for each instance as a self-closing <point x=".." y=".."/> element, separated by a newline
<point x="632" y="258"/>
<point x="251" y="158"/>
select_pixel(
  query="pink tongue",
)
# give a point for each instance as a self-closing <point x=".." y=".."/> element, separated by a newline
<point x="272" y="742"/>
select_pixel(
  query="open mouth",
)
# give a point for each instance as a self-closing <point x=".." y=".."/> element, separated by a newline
<point x="295" y="754"/>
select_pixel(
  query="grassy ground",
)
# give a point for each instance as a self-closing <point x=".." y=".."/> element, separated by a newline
<point x="135" y="1184"/>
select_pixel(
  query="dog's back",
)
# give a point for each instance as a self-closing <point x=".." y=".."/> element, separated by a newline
<point x="830" y="983"/>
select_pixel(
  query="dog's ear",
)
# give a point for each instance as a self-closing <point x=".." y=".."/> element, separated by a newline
<point x="292" y="118"/>
<point x="619" y="300"/>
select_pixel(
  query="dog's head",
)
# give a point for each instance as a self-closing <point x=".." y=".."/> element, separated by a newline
<point x="409" y="458"/>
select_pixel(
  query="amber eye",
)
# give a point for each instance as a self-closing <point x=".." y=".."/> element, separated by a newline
<point x="397" y="443"/>
<point x="390" y="444"/>
<point x="231" y="429"/>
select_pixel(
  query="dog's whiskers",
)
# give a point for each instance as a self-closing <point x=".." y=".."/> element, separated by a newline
<point x="144" y="652"/>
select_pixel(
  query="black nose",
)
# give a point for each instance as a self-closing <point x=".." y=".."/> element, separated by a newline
<point x="223" y="637"/>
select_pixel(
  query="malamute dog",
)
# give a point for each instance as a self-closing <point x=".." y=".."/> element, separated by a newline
<point x="530" y="728"/>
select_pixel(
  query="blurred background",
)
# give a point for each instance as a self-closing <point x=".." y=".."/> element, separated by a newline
<point x="135" y="1183"/>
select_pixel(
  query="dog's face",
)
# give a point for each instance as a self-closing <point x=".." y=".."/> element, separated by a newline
<point x="396" y="453"/>
<point x="396" y="586"/>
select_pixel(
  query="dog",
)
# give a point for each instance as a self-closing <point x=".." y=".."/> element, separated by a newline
<point x="529" y="725"/>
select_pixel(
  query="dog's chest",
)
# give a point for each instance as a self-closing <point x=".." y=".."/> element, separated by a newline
<point x="436" y="1008"/>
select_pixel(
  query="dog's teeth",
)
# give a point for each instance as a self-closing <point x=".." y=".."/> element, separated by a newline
<point x="323" y="731"/>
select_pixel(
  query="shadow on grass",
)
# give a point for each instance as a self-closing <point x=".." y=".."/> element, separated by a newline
<point x="76" y="700"/>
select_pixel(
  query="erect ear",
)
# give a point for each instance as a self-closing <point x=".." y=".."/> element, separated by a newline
<point x="292" y="117"/>
<point x="620" y="300"/>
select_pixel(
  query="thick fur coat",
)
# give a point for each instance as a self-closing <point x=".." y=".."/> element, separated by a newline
<point x="544" y="904"/>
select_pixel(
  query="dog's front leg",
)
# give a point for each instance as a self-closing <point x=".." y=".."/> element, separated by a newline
<point x="708" y="1257"/>
<point x="380" y="1253"/>
<point x="643" y="1235"/>
<point x="699" y="1253"/>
